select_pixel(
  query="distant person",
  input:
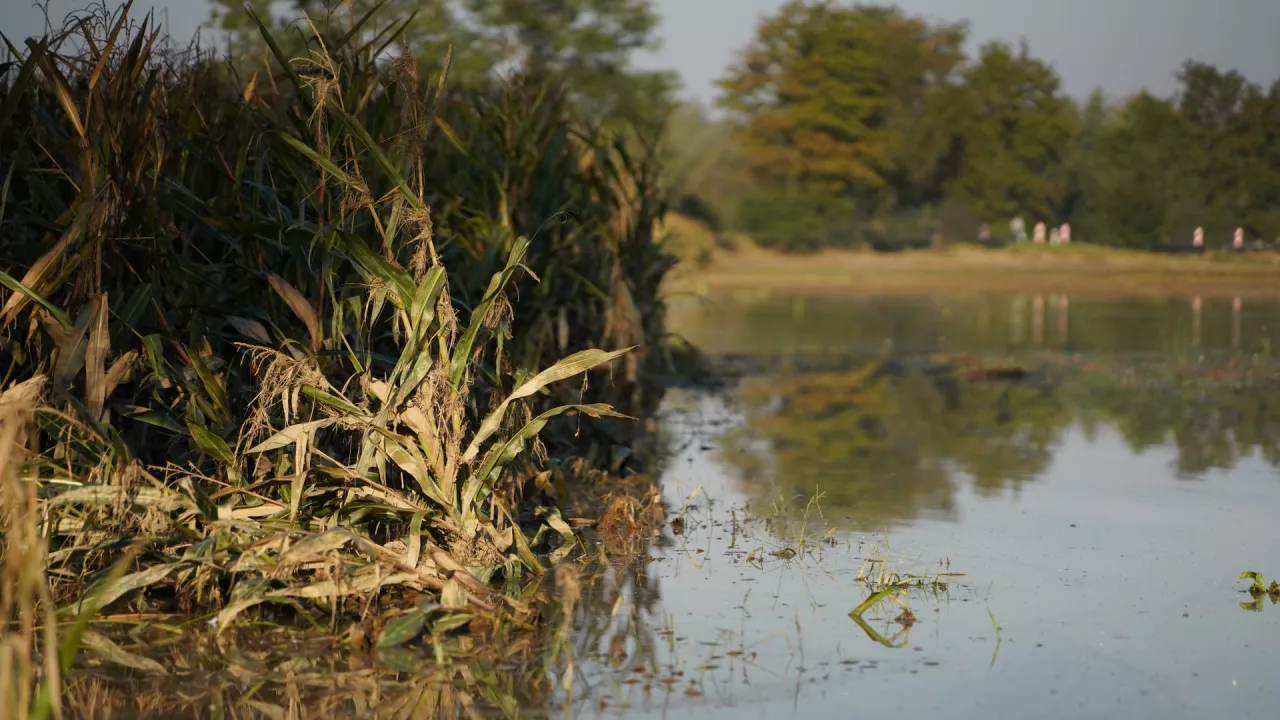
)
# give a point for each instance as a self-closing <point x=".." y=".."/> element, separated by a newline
<point x="1038" y="237"/>
<point x="1055" y="237"/>
<point x="984" y="233"/>
<point x="1018" y="228"/>
<point x="1237" y="242"/>
<point x="1064" y="233"/>
<point x="1197" y="237"/>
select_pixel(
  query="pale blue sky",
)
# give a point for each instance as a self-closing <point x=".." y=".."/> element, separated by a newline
<point x="1119" y="45"/>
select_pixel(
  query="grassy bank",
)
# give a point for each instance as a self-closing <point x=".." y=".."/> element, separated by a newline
<point x="292" y="334"/>
<point x="735" y="264"/>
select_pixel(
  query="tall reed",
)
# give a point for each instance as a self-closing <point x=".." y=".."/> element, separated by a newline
<point x="299" y="326"/>
<point x="29" y="671"/>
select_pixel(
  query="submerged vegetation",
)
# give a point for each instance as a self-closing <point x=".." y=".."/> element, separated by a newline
<point x="1258" y="590"/>
<point x="292" y="334"/>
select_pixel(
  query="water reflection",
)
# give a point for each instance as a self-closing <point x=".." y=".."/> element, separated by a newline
<point x="887" y="442"/>
<point x="922" y="325"/>
<point x="890" y="440"/>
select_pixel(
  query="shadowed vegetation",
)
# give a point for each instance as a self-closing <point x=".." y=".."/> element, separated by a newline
<point x="295" y="335"/>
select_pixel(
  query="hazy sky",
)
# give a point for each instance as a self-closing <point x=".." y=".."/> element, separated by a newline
<point x="1118" y="45"/>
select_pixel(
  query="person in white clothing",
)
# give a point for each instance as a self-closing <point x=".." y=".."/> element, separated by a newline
<point x="1018" y="229"/>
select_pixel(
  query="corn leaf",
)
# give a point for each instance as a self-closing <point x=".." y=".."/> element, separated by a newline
<point x="575" y="364"/>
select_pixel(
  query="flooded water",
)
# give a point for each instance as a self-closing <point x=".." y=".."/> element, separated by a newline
<point x="1073" y="487"/>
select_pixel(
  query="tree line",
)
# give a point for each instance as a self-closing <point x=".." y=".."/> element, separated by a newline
<point x="582" y="46"/>
<point x="846" y="122"/>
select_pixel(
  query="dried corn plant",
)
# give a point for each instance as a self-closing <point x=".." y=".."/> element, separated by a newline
<point x="295" y="334"/>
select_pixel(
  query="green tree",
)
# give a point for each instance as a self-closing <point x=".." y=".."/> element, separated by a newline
<point x="587" y="42"/>
<point x="822" y="90"/>
<point x="1236" y="125"/>
<point x="704" y="168"/>
<point x="1079" y="202"/>
<point x="1258" y="160"/>
<point x="1016" y="129"/>
<point x="1149" y="187"/>
<point x="229" y="17"/>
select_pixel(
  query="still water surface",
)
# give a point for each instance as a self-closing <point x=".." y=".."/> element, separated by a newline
<point x="1100" y="493"/>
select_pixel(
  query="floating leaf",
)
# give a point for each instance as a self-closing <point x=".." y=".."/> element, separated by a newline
<point x="454" y="595"/>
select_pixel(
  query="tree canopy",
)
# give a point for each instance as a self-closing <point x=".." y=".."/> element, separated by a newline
<point x="855" y="120"/>
<point x="586" y="45"/>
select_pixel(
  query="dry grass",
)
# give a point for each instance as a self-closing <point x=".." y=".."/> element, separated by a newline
<point x="29" y="669"/>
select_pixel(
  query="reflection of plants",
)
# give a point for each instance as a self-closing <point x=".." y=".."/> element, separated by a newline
<point x="890" y="437"/>
<point x="298" y="675"/>
<point x="792" y="541"/>
<point x="883" y="586"/>
<point x="1143" y="381"/>
<point x="604" y="616"/>
<point x="885" y="440"/>
<point x="1259" y="590"/>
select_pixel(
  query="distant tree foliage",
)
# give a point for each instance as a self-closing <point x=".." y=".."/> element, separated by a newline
<point x="859" y="119"/>
<point x="585" y="44"/>
<point x="827" y="93"/>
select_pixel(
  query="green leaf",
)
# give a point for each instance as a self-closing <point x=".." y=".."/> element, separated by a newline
<point x="328" y="165"/>
<point x="511" y="448"/>
<point x="449" y="622"/>
<point x="211" y="444"/>
<point x="1259" y="585"/>
<point x="157" y="418"/>
<point x="462" y="351"/>
<point x="379" y="267"/>
<point x="109" y="590"/>
<point x="16" y="285"/>
<point x="244" y="595"/>
<point x="416" y="360"/>
<point x="408" y="459"/>
<point x="406" y="627"/>
<point x="17" y="91"/>
<point x="333" y="401"/>
<point x="354" y="127"/>
<point x="451" y="136"/>
<point x="281" y="57"/>
<point x="575" y="364"/>
<point x="211" y="384"/>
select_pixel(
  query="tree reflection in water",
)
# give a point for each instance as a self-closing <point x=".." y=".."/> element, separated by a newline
<point x="886" y="442"/>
